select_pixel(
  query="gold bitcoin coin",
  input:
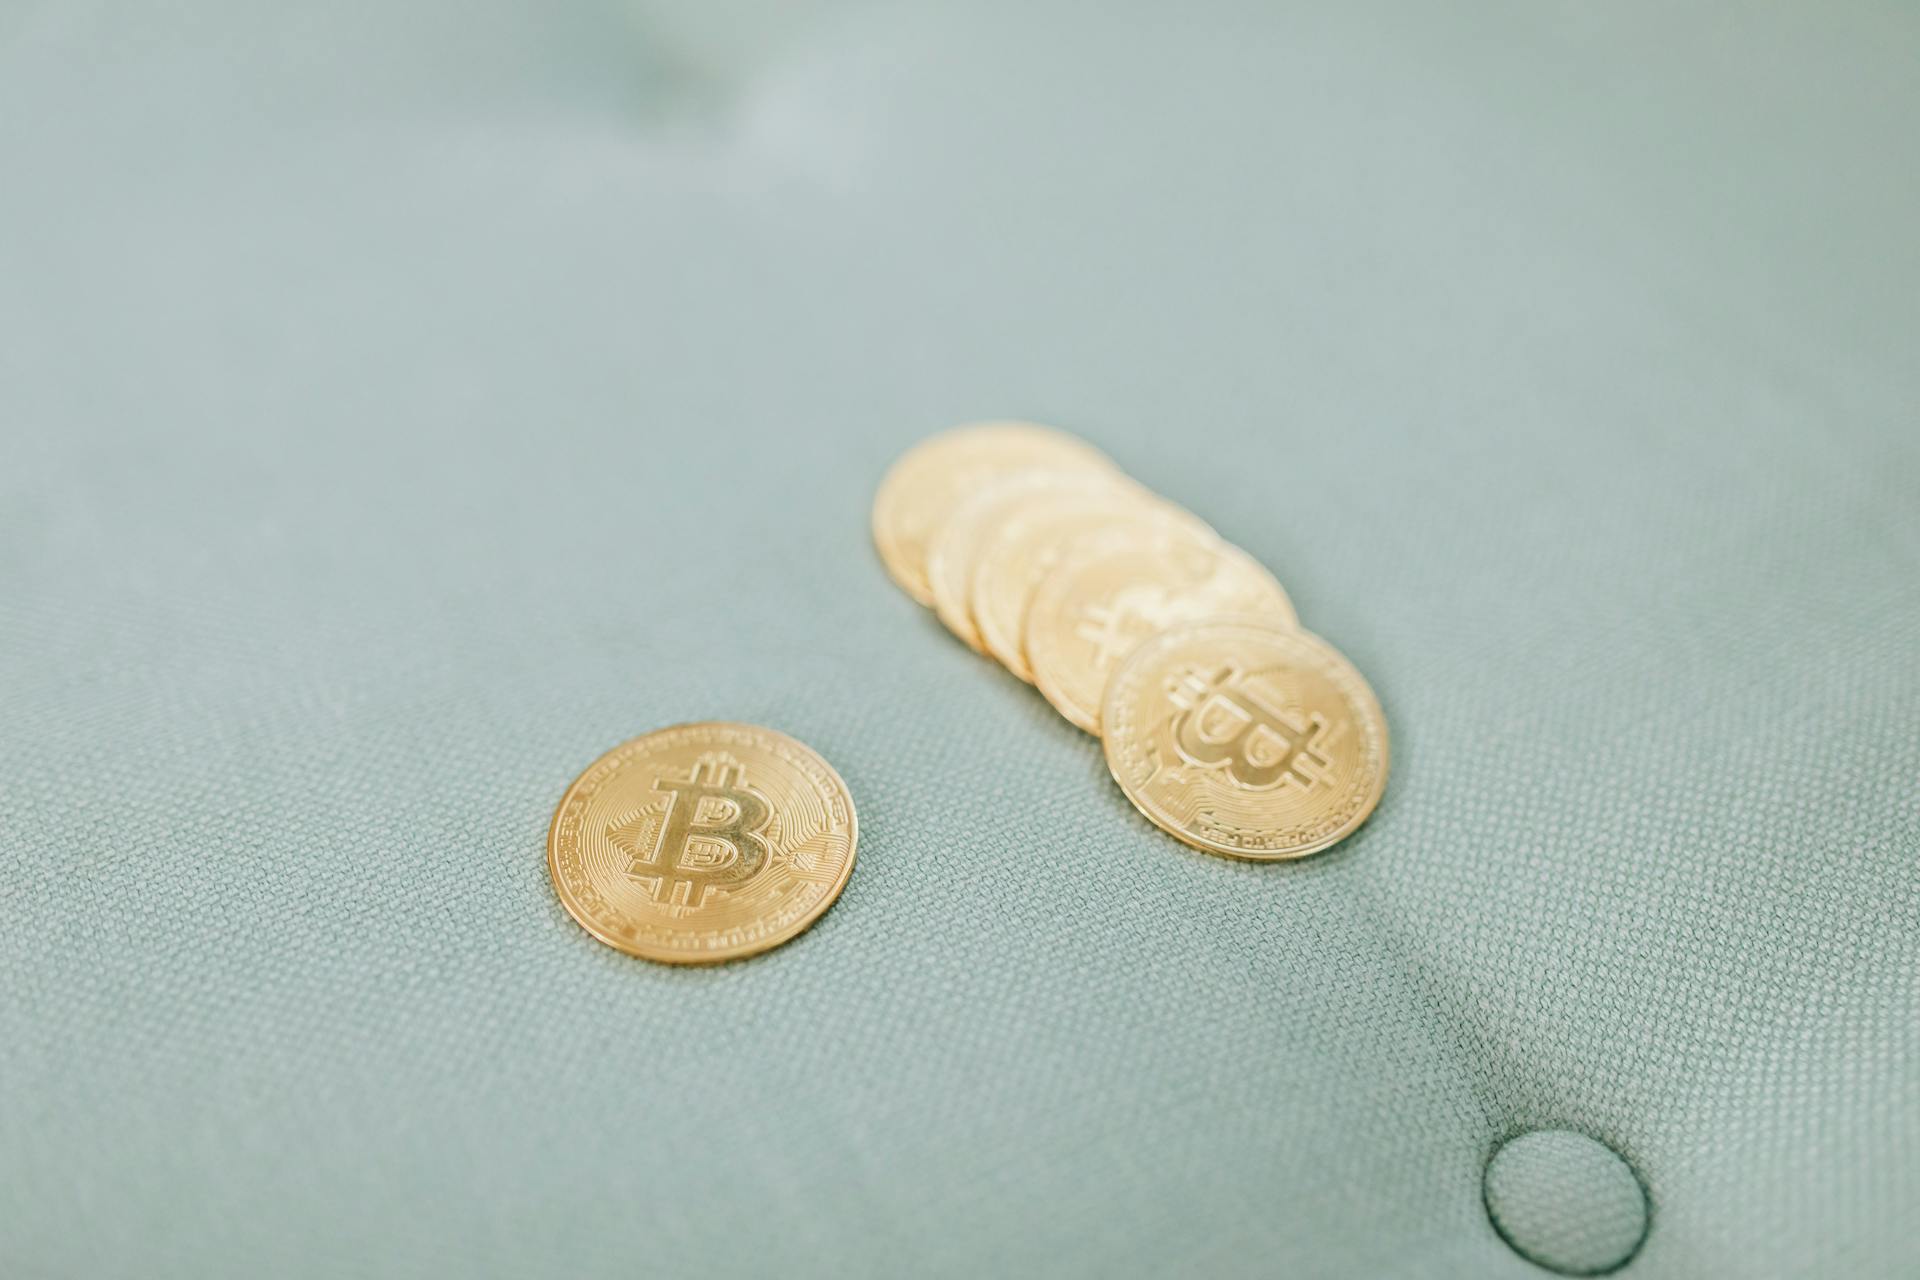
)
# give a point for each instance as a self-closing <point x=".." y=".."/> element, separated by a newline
<point x="702" y="843"/>
<point x="1024" y="548"/>
<point x="934" y="477"/>
<point x="1122" y="587"/>
<point x="1246" y="739"/>
<point x="955" y="551"/>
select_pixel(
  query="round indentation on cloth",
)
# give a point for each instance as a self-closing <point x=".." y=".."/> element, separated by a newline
<point x="1566" y="1202"/>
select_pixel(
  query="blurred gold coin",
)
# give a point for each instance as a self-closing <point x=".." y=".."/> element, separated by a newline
<point x="937" y="475"/>
<point x="1246" y="739"/>
<point x="955" y="551"/>
<point x="1017" y="556"/>
<point x="702" y="843"/>
<point x="1124" y="586"/>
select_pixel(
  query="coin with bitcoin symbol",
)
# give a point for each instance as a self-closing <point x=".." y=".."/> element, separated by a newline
<point x="954" y="554"/>
<point x="932" y="479"/>
<point x="1117" y="589"/>
<point x="1246" y="739"/>
<point x="1025" y="546"/>
<point x="702" y="842"/>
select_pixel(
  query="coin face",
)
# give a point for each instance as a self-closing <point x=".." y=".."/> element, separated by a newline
<point x="1025" y="546"/>
<point x="1246" y="739"/>
<point x="933" y="478"/>
<point x="955" y="552"/>
<point x="702" y="842"/>
<point x="1122" y="587"/>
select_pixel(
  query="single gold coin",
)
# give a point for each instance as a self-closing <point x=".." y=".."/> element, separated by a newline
<point x="937" y="475"/>
<point x="955" y="552"/>
<point x="1247" y="739"/>
<point x="702" y="842"/>
<point x="1122" y="587"/>
<point x="1034" y="537"/>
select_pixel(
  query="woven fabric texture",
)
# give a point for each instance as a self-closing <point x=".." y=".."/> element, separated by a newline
<point x="400" y="405"/>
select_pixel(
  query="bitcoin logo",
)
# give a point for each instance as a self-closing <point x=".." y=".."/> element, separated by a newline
<point x="702" y="842"/>
<point x="1115" y="626"/>
<point x="1124" y="585"/>
<point x="710" y="838"/>
<point x="1246" y="737"/>
<point x="1224" y="722"/>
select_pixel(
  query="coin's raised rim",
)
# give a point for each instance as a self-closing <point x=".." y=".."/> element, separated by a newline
<point x="1265" y="628"/>
<point x="761" y="946"/>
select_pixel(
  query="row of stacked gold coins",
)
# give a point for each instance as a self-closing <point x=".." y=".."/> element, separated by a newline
<point x="1224" y="722"/>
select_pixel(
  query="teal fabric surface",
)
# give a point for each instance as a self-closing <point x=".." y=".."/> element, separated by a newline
<point x="402" y="405"/>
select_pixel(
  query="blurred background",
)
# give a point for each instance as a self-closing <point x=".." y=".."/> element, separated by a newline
<point x="400" y="404"/>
